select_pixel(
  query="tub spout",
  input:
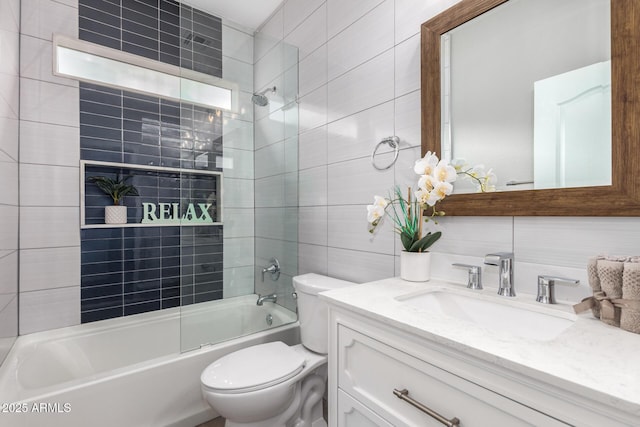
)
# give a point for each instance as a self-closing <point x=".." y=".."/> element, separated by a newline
<point x="263" y="298"/>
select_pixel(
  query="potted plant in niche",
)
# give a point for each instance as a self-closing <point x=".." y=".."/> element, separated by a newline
<point x="116" y="189"/>
<point x="408" y="217"/>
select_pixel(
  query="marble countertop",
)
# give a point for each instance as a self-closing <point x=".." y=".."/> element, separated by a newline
<point x="589" y="357"/>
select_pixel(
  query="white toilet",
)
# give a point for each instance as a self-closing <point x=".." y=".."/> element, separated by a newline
<point x="272" y="384"/>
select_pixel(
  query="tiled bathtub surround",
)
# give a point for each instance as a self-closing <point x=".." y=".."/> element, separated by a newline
<point x="50" y="253"/>
<point x="9" y="109"/>
<point x="133" y="270"/>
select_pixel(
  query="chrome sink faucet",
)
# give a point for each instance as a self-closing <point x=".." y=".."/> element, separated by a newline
<point x="504" y="261"/>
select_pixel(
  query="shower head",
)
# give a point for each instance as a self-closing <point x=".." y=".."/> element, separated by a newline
<point x="260" y="98"/>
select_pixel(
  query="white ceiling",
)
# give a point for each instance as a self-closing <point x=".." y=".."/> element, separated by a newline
<point x="249" y="13"/>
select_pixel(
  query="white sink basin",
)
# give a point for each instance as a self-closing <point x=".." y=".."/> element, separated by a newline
<point x="539" y="323"/>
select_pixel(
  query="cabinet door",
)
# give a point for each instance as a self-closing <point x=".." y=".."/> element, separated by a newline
<point x="352" y="413"/>
<point x="369" y="371"/>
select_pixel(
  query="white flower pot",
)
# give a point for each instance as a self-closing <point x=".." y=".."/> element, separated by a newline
<point x="415" y="266"/>
<point x="115" y="214"/>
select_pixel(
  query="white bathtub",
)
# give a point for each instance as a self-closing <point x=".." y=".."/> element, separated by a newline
<point x="129" y="371"/>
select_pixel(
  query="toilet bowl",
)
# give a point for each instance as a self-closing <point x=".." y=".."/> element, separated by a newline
<point x="273" y="384"/>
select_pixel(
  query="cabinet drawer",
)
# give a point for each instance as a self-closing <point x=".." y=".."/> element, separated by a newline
<point x="369" y="371"/>
<point x="352" y="413"/>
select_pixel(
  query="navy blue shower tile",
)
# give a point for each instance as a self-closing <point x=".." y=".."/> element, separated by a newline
<point x="145" y="6"/>
<point x="107" y="14"/>
<point x="148" y="19"/>
<point x="142" y="264"/>
<point x="101" y="256"/>
<point x="170" y="6"/>
<point x="132" y="270"/>
<point x="100" y="120"/>
<point x="100" y="94"/>
<point x="141" y="308"/>
<point x="108" y="6"/>
<point x="98" y="38"/>
<point x="101" y="109"/>
<point x="101" y="245"/>
<point x="170" y="271"/>
<point x="209" y="296"/>
<point x="140" y="51"/>
<point x="102" y="279"/>
<point x="101" y="268"/>
<point x="107" y="295"/>
<point x="148" y="41"/>
<point x="101" y="303"/>
<point x="151" y="287"/>
<point x="94" y="316"/>
<point x="167" y="58"/>
<point x="168" y="302"/>
<point x="101" y="156"/>
<point x="99" y="132"/>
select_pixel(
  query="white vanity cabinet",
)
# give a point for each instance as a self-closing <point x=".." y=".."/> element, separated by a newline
<point x="369" y="358"/>
<point x="369" y="371"/>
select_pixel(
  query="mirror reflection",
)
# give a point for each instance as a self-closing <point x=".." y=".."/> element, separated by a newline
<point x="526" y="92"/>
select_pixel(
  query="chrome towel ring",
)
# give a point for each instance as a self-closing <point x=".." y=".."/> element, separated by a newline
<point x="394" y="142"/>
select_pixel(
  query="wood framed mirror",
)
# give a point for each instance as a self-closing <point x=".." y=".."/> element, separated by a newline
<point x="622" y="197"/>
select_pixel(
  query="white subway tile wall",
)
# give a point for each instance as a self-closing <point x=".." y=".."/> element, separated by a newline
<point x="360" y="80"/>
<point x="276" y="153"/>
<point x="9" y="174"/>
<point x="49" y="168"/>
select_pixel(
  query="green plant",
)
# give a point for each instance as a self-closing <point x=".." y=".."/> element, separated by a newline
<point x="114" y="188"/>
<point x="408" y="220"/>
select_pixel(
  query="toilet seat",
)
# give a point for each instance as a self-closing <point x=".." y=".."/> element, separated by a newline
<point x="253" y="368"/>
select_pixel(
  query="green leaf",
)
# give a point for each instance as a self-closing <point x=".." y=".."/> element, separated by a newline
<point x="115" y="188"/>
<point x="425" y="242"/>
<point x="407" y="240"/>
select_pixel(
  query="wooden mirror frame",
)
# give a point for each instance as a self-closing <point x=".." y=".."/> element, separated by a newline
<point x="622" y="198"/>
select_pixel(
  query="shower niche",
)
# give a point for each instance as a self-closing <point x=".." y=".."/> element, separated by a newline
<point x="166" y="196"/>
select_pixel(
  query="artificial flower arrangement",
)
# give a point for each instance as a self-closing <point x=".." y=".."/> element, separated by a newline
<point x="407" y="214"/>
<point x="434" y="184"/>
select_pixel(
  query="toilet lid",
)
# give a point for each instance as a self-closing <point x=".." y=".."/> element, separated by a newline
<point x="253" y="367"/>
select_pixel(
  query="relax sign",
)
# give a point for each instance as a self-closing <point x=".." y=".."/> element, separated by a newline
<point x="169" y="213"/>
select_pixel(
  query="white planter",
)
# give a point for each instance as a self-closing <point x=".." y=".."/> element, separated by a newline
<point x="415" y="266"/>
<point x="115" y="214"/>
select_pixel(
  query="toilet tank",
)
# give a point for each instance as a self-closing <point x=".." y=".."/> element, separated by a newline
<point x="313" y="313"/>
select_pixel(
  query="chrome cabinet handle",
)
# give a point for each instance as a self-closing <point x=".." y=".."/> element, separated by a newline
<point x="404" y="395"/>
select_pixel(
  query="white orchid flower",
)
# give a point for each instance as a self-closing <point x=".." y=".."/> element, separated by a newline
<point x="459" y="164"/>
<point x="374" y="214"/>
<point x="380" y="201"/>
<point x="426" y="165"/>
<point x="477" y="172"/>
<point x="489" y="182"/>
<point x="422" y="196"/>
<point x="441" y="190"/>
<point x="426" y="182"/>
<point x="445" y="172"/>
